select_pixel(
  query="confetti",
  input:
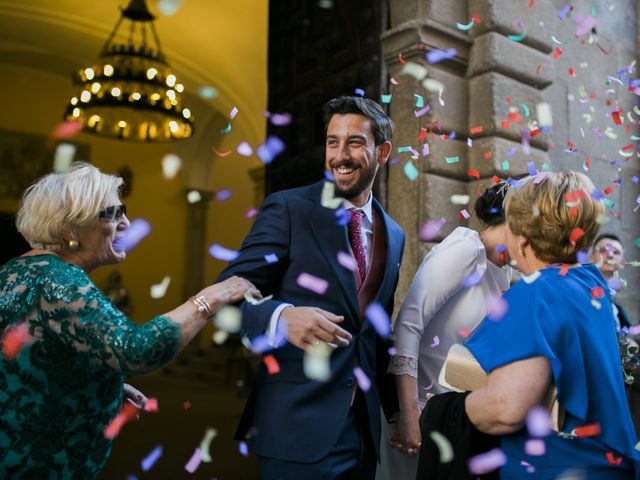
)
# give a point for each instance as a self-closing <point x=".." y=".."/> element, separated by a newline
<point x="431" y="230"/>
<point x="270" y="149"/>
<point x="208" y="93"/>
<point x="473" y="173"/>
<point x="14" y="339"/>
<point x="538" y="422"/>
<point x="575" y="235"/>
<point x="158" y="290"/>
<point x="419" y="100"/>
<point x="194" y="196"/>
<point x="272" y="364"/>
<point x="186" y="404"/>
<point x="149" y="461"/>
<point x="65" y="130"/>
<point x="410" y="170"/>
<point x="244" y="149"/>
<point x="62" y="158"/>
<point x="347" y="261"/>
<point x="224" y="194"/>
<point x="455" y="159"/>
<point x="168" y="7"/>
<point x="497" y="307"/>
<point x="379" y="318"/>
<point x="385" y="98"/>
<point x="233" y="113"/>
<point x="436" y="342"/>
<point x="221" y="253"/>
<point x="271" y="258"/>
<point x="280" y="119"/>
<point x="597" y="292"/>
<point x="437" y="55"/>
<point x="328" y="198"/>
<point x="590" y="430"/>
<point x="476" y="130"/>
<point x="313" y="283"/>
<point x="151" y="405"/>
<point x="460" y="199"/>
<point x="473" y="279"/>
<point x="133" y="235"/>
<point x="205" y="443"/>
<point x="487" y="462"/>
<point x="194" y="462"/>
<point x="463" y="214"/>
<point x="171" y="164"/>
<point x="612" y="459"/>
<point x="127" y="413"/>
<point x="228" y="318"/>
<point x="219" y="337"/>
<point x="444" y="446"/>
<point x="316" y="362"/>
<point x="585" y="24"/>
<point x="243" y="449"/>
<point x="225" y="130"/>
<point x="221" y="154"/>
<point x="532" y="277"/>
<point x="414" y="70"/>
<point x="518" y="38"/>
<point x="363" y="380"/>
<point x="535" y="447"/>
<point x="422" y="111"/>
<point x="468" y="26"/>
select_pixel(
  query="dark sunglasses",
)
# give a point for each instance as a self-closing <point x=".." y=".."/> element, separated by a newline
<point x="113" y="213"/>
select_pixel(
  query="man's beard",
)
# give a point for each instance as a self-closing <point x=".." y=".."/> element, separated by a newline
<point x="364" y="181"/>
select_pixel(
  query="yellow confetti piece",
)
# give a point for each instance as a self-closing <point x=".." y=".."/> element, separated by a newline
<point x="610" y="133"/>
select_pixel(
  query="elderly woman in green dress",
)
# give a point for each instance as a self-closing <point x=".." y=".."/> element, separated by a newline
<point x="64" y="385"/>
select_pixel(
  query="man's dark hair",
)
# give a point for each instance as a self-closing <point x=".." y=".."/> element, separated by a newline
<point x="382" y="127"/>
<point x="606" y="235"/>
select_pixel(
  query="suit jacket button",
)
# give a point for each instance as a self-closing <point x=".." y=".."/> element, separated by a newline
<point x="350" y="382"/>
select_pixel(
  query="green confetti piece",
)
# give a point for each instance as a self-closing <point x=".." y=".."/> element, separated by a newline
<point x="505" y="165"/>
<point x="525" y="109"/>
<point x="455" y="159"/>
<point x="419" y="100"/>
<point x="385" y="98"/>
<point x="226" y="129"/>
<point x="461" y="26"/>
<point x="404" y="149"/>
<point x="546" y="167"/>
<point x="411" y="171"/>
<point x="609" y="203"/>
<point x="517" y="38"/>
<point x="638" y="245"/>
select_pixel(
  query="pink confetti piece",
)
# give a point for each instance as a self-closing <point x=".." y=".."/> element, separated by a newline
<point x="422" y="111"/>
<point x="487" y="462"/>
<point x="379" y="318"/>
<point x="128" y="412"/>
<point x="280" y="119"/>
<point x="535" y="447"/>
<point x="133" y="235"/>
<point x="221" y="253"/>
<point x="151" y="405"/>
<point x="150" y="460"/>
<point x="363" y="381"/>
<point x="194" y="462"/>
<point x="233" y="113"/>
<point x="244" y="149"/>
<point x="313" y="283"/>
<point x="530" y="468"/>
<point x="463" y="214"/>
<point x="252" y="212"/>
<point x="347" y="261"/>
<point x="221" y="154"/>
<point x="431" y="229"/>
<point x="65" y="130"/>
<point x="394" y="81"/>
<point x="436" y="342"/>
<point x="538" y="422"/>
<point x="497" y="307"/>
<point x="14" y="339"/>
<point x="243" y="449"/>
<point x="271" y="258"/>
<point x="585" y="24"/>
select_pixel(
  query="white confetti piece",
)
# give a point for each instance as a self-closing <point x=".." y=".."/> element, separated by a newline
<point x="543" y="112"/>
<point x="328" y="198"/>
<point x="531" y="278"/>
<point x="414" y="70"/>
<point x="228" y="318"/>
<point x="444" y="446"/>
<point x="205" y="444"/>
<point x="194" y="196"/>
<point x="460" y="199"/>
<point x="313" y="283"/>
<point x="63" y="157"/>
<point x="316" y="362"/>
<point x="171" y="164"/>
<point x="220" y="336"/>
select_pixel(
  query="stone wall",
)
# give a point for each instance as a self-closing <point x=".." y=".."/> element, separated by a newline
<point x="514" y="56"/>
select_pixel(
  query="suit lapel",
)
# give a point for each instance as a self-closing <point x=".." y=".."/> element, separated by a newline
<point x="392" y="263"/>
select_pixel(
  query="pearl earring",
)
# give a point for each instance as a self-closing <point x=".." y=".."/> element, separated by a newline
<point x="73" y="244"/>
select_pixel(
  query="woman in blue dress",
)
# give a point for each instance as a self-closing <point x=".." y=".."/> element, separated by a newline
<point x="558" y="329"/>
<point x="67" y="348"/>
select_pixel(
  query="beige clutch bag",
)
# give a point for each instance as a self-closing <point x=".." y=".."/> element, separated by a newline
<point x="461" y="372"/>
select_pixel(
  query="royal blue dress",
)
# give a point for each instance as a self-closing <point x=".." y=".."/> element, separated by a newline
<point x="565" y="319"/>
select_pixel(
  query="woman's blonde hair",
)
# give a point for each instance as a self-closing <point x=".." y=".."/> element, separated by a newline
<point x="556" y="213"/>
<point x="61" y="202"/>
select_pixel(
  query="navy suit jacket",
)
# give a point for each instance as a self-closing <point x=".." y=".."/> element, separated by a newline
<point x="294" y="418"/>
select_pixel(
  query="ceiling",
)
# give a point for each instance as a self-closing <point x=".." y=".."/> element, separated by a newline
<point x="222" y="44"/>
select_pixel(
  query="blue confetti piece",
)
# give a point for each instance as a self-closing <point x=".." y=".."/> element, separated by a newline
<point x="271" y="258"/>
<point x="425" y="150"/>
<point x="512" y="152"/>
<point x="329" y="176"/>
<point x="531" y="168"/>
<point x="385" y="98"/>
<point x="149" y="461"/>
<point x="597" y="195"/>
<point x="243" y="449"/>
<point x="452" y="135"/>
<point x="133" y="235"/>
<point x="360" y="92"/>
<point x="472" y="279"/>
<point x="270" y="149"/>
<point x="419" y="100"/>
<point x="500" y="248"/>
<point x="563" y="13"/>
<point x="379" y="318"/>
<point x="438" y="55"/>
<point x="221" y="253"/>
<point x="582" y="257"/>
<point x="393" y="161"/>
<point x="222" y="195"/>
<point x="404" y="149"/>
<point x="343" y="215"/>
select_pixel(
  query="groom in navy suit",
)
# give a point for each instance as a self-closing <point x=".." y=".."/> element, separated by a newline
<point x="303" y="428"/>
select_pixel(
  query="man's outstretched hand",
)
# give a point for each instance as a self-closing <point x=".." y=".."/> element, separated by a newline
<point x="307" y="326"/>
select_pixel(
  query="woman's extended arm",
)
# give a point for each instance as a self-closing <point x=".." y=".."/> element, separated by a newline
<point x="513" y="389"/>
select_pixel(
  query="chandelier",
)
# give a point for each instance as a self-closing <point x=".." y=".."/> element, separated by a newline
<point x="130" y="93"/>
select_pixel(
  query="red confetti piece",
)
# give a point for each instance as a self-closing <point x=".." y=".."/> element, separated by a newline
<point x="508" y="99"/>
<point x="531" y="4"/>
<point x="151" y="405"/>
<point x="127" y="413"/>
<point x="64" y="130"/>
<point x="616" y="118"/>
<point x="572" y="72"/>
<point x="272" y="364"/>
<point x="590" y="430"/>
<point x="464" y="332"/>
<point x="575" y="235"/>
<point x="487" y="155"/>
<point x="463" y="214"/>
<point x="587" y="163"/>
<point x="474" y="173"/>
<point x="535" y="132"/>
<point x="423" y="134"/>
<point x="505" y="123"/>
<point x="597" y="292"/>
<point x="574" y="196"/>
<point x="612" y="459"/>
<point x="475" y="17"/>
<point x="573" y="211"/>
<point x="402" y="60"/>
<point x="631" y="146"/>
<point x="556" y="53"/>
<point x="186" y="404"/>
<point x="496" y="179"/>
<point x="13" y="340"/>
<point x="564" y="269"/>
<point x="608" y="189"/>
<point x="475" y="130"/>
<point x="515" y="117"/>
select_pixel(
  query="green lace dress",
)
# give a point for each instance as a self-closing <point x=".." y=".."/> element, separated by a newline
<point x="65" y="385"/>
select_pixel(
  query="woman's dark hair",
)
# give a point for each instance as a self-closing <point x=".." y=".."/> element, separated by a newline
<point x="489" y="207"/>
<point x="382" y="127"/>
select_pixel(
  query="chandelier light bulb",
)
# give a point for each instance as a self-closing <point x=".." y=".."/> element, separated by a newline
<point x="171" y="80"/>
<point x="151" y="73"/>
<point x="107" y="70"/>
<point x="85" y="96"/>
<point x="89" y="73"/>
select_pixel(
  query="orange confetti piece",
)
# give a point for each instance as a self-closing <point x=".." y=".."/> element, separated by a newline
<point x="575" y="235"/>
<point x="475" y="130"/>
<point x="127" y="413"/>
<point x="13" y="340"/>
<point x="496" y="179"/>
<point x="221" y="154"/>
<point x="151" y="405"/>
<point x="505" y="123"/>
<point x="597" y="292"/>
<point x="608" y="189"/>
<point x="474" y="173"/>
<point x="272" y="364"/>
<point x="590" y="430"/>
<point x="564" y="269"/>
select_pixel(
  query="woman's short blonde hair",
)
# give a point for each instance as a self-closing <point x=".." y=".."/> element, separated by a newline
<point x="556" y="213"/>
<point x="59" y="203"/>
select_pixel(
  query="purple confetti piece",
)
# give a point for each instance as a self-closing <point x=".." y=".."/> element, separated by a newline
<point x="328" y="176"/>
<point x="431" y="230"/>
<point x="392" y="351"/>
<point x="280" y="119"/>
<point x="435" y="56"/>
<point x="487" y="462"/>
<point x="313" y="283"/>
<point x="615" y="284"/>
<point x="425" y="149"/>
<point x="452" y="135"/>
<point x="436" y="342"/>
<point x="363" y="381"/>
<point x="343" y="216"/>
<point x="132" y="477"/>
<point x="270" y="149"/>
<point x="139" y="229"/>
<point x="634" y="330"/>
<point x="497" y="307"/>
<point x="379" y="318"/>
<point x="244" y="149"/>
<point x="252" y="212"/>
<point x="347" y="261"/>
<point x="511" y="152"/>
<point x="597" y="194"/>
<point x="393" y="161"/>
<point x="538" y="422"/>
<point x="531" y="168"/>
<point x="149" y="461"/>
<point x="535" y="447"/>
<point x="585" y="24"/>
<point x="359" y="91"/>
<point x="582" y="257"/>
<point x="635" y="179"/>
<point x="243" y="449"/>
<point x="422" y="111"/>
<point x="222" y="195"/>
<point x="530" y="468"/>
<point x="525" y="140"/>
<point x="540" y="177"/>
<point x="271" y="258"/>
<point x="259" y="344"/>
<point x="563" y="13"/>
<point x="221" y="253"/>
<point x="472" y="279"/>
<point x="194" y="462"/>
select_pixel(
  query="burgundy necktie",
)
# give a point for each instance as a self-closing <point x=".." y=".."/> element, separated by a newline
<point x="355" y="239"/>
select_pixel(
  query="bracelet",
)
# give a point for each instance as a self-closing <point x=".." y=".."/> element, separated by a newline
<point x="202" y="304"/>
